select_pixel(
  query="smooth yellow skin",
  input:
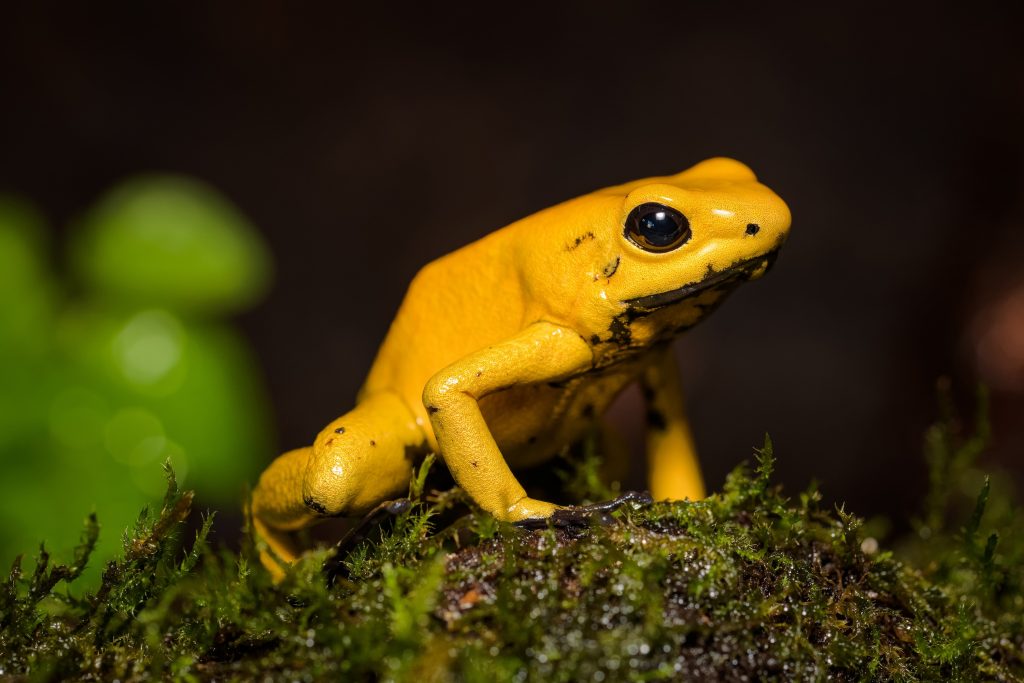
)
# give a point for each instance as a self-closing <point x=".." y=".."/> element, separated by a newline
<point x="512" y="347"/>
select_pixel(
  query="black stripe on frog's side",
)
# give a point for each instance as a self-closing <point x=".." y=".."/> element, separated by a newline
<point x="740" y="270"/>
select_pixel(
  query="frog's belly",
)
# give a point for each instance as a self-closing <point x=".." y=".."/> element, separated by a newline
<point x="532" y="423"/>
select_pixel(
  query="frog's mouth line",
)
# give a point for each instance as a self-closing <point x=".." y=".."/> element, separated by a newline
<point x="741" y="270"/>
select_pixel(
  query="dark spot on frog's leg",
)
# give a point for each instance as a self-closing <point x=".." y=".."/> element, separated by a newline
<point x="479" y="372"/>
<point x="655" y="419"/>
<point x="595" y="339"/>
<point x="339" y="430"/>
<point x="753" y="228"/>
<point x="580" y="240"/>
<point x="372" y="442"/>
<point x="314" y="505"/>
<point x="432" y="409"/>
<point x="474" y="463"/>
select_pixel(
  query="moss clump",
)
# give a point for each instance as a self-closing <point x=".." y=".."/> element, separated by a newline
<point x="744" y="585"/>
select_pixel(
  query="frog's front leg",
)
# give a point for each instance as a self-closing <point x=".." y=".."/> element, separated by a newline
<point x="672" y="466"/>
<point x="356" y="462"/>
<point x="542" y="352"/>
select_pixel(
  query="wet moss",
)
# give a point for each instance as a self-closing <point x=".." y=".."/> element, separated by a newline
<point x="746" y="585"/>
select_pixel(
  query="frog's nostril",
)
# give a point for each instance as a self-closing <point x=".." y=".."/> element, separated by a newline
<point x="753" y="228"/>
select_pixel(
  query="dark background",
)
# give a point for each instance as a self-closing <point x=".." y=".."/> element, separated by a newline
<point x="365" y="141"/>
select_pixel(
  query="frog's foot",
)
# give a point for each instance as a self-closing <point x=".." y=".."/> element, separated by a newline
<point x="585" y="515"/>
<point x="334" y="567"/>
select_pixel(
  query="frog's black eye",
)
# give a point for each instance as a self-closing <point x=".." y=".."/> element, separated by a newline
<point x="656" y="227"/>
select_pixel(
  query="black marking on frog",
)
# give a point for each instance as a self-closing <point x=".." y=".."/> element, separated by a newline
<point x="655" y="419"/>
<point x="753" y="228"/>
<point x="432" y="409"/>
<point x="339" y="430"/>
<point x="595" y="339"/>
<point x="474" y="463"/>
<point x="314" y="505"/>
<point x="621" y="335"/>
<point x="373" y="443"/>
<point x="532" y="440"/>
<point x="588" y="411"/>
<point x="588" y="235"/>
<point x="610" y="269"/>
<point x="737" y="272"/>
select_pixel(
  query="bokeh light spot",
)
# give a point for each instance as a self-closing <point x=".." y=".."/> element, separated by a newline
<point x="149" y="347"/>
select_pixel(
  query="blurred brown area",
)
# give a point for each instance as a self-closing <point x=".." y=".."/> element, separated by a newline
<point x="368" y="139"/>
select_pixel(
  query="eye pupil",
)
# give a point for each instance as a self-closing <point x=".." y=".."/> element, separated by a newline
<point x="656" y="227"/>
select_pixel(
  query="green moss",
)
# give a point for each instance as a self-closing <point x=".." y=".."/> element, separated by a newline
<point x="747" y="583"/>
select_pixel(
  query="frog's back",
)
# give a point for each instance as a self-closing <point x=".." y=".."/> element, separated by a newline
<point x="463" y="301"/>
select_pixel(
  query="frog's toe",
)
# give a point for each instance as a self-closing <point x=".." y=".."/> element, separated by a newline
<point x="598" y="514"/>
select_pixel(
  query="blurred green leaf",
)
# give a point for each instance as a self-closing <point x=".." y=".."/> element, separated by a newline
<point x="171" y="241"/>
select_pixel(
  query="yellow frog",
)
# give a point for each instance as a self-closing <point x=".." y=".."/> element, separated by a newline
<point x="508" y="349"/>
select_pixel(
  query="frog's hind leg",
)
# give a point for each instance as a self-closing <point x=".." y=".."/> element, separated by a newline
<point x="673" y="468"/>
<point x="364" y="457"/>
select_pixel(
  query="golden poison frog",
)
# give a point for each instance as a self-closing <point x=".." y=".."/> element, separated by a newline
<point x="512" y="347"/>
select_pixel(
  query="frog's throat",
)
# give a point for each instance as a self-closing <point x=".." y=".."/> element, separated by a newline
<point x="739" y="271"/>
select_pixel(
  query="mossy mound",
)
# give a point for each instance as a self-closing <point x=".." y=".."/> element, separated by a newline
<point x="746" y="585"/>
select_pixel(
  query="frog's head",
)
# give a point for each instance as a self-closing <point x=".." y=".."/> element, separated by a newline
<point x="659" y="253"/>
